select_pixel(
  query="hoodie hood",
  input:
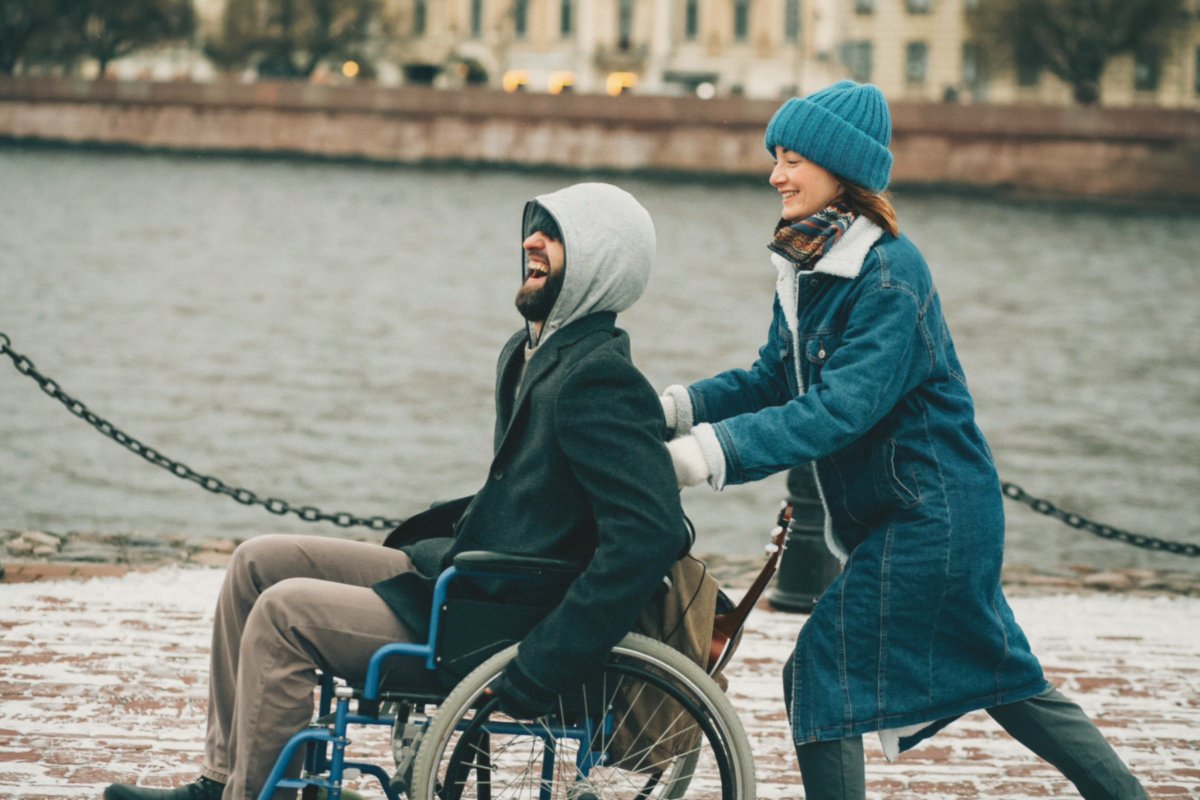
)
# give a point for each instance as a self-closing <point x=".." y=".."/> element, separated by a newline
<point x="609" y="243"/>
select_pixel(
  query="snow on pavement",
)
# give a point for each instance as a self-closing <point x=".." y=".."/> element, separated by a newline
<point x="106" y="680"/>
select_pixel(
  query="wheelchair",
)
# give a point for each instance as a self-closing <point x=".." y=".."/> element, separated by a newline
<point x="650" y="724"/>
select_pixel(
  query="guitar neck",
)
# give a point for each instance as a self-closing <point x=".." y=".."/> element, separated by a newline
<point x="732" y="621"/>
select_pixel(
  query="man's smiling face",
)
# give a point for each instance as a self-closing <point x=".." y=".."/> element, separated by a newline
<point x="544" y="260"/>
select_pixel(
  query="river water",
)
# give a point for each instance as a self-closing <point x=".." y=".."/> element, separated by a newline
<point x="326" y="334"/>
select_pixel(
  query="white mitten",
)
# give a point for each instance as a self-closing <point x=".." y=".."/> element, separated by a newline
<point x="688" y="459"/>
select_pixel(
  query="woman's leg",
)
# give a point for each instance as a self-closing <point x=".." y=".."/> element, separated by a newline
<point x="1057" y="730"/>
<point x="833" y="770"/>
<point x="830" y="770"/>
<point x="257" y="565"/>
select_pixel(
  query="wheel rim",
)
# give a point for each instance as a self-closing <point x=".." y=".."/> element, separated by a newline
<point x="570" y="756"/>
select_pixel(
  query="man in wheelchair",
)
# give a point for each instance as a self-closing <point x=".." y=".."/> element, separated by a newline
<point x="580" y="473"/>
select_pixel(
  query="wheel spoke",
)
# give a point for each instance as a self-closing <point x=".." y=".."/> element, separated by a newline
<point x="649" y="726"/>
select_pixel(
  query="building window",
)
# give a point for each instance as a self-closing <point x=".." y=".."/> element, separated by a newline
<point x="920" y="6"/>
<point x="1028" y="64"/>
<point x="476" y="18"/>
<point x="691" y="19"/>
<point x="520" y="18"/>
<point x="916" y="63"/>
<point x="741" y="20"/>
<point x="624" y="24"/>
<point x="1147" y="69"/>
<point x="565" y="23"/>
<point x="974" y="69"/>
<point x="857" y="58"/>
<point x="791" y="21"/>
<point x="420" y="17"/>
<point x="864" y="6"/>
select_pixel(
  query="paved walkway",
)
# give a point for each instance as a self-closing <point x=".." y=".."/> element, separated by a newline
<point x="105" y="679"/>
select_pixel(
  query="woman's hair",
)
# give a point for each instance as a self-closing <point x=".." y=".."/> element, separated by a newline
<point x="875" y="206"/>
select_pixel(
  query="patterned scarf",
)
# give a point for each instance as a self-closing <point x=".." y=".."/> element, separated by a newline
<point x="804" y="242"/>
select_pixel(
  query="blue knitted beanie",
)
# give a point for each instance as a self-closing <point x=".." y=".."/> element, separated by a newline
<point x="845" y="128"/>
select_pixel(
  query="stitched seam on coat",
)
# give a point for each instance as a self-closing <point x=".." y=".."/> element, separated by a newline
<point x="1007" y="649"/>
<point x="845" y="507"/>
<point x="945" y="563"/>
<point x="885" y="580"/>
<point x="733" y="461"/>
<point x="843" y="677"/>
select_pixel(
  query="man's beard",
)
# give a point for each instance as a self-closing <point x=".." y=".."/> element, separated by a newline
<point x="535" y="305"/>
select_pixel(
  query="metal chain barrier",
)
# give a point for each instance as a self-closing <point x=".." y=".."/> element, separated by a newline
<point x="244" y="496"/>
<point x="346" y="520"/>
<point x="1014" y="492"/>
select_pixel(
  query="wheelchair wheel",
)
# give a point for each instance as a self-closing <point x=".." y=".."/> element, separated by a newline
<point x="651" y="725"/>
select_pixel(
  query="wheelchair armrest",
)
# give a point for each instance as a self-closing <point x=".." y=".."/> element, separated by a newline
<point x="487" y="562"/>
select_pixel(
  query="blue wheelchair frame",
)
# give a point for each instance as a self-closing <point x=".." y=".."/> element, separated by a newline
<point x="331" y="734"/>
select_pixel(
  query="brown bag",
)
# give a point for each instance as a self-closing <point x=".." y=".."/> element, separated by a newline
<point x="682" y="617"/>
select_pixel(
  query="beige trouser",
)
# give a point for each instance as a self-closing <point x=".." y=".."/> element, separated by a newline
<point x="290" y="605"/>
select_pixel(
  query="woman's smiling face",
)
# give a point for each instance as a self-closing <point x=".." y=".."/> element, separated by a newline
<point x="804" y="187"/>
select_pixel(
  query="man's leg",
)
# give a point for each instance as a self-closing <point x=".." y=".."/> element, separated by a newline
<point x="298" y="626"/>
<point x="1057" y="730"/>
<point x="257" y="565"/>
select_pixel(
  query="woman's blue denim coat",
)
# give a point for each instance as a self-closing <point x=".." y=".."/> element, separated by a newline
<point x="864" y="381"/>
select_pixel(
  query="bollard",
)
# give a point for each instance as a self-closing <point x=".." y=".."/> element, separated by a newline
<point x="807" y="566"/>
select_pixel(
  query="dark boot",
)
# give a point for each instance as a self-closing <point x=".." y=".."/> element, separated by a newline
<point x="203" y="789"/>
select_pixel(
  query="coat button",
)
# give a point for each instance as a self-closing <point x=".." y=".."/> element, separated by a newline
<point x="821" y="353"/>
<point x="498" y="475"/>
<point x="813" y="281"/>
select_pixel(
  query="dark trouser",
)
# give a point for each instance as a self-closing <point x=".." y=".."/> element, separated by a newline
<point x="1049" y="724"/>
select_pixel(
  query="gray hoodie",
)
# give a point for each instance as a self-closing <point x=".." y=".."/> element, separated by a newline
<point x="609" y="242"/>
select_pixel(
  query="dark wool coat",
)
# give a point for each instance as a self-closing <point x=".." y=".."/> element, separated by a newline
<point x="580" y="472"/>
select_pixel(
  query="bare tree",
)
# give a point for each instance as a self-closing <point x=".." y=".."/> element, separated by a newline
<point x="26" y="26"/>
<point x="106" y="30"/>
<point x="290" y="38"/>
<point x="1072" y="39"/>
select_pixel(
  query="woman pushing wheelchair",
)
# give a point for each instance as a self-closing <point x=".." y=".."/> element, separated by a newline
<point x="859" y="377"/>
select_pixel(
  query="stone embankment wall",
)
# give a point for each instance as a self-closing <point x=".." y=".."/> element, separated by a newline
<point x="1125" y="155"/>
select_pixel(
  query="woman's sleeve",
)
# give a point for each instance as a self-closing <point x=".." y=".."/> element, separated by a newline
<point x="882" y="355"/>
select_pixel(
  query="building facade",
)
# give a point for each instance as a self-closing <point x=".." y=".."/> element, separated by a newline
<point x="918" y="50"/>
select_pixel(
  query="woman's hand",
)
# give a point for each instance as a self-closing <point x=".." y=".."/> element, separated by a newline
<point x="687" y="458"/>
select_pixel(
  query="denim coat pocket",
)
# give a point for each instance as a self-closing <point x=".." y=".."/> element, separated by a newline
<point x="818" y="349"/>
<point x="896" y="479"/>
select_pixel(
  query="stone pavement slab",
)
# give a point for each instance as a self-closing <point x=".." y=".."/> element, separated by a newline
<point x="105" y="680"/>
